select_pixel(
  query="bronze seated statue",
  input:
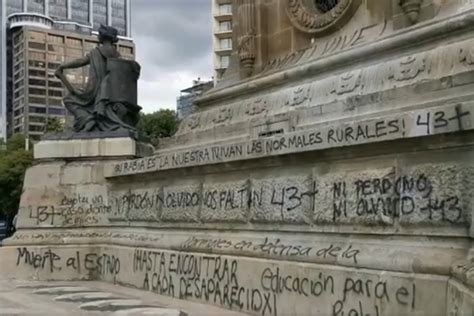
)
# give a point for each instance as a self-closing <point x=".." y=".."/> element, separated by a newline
<point x="109" y="100"/>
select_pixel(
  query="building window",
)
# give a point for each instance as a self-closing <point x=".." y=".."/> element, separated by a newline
<point x="119" y="15"/>
<point x="36" y="73"/>
<point x="224" y="61"/>
<point x="58" y="9"/>
<point x="38" y="46"/>
<point x="36" y="37"/>
<point x="37" y="64"/>
<point x="225" y="26"/>
<point x="37" y="82"/>
<point x="36" y="56"/>
<point x="36" y="128"/>
<point x="56" y="58"/>
<point x="100" y="13"/>
<point x="55" y="39"/>
<point x="55" y="101"/>
<point x="73" y="42"/>
<point x="14" y="7"/>
<point x="56" y="49"/>
<point x="56" y="111"/>
<point x="36" y="6"/>
<point x="80" y="11"/>
<point x="55" y="93"/>
<point x="37" y="119"/>
<point x="53" y="66"/>
<point x="37" y="109"/>
<point x="225" y="9"/>
<point x="225" y="43"/>
<point x="73" y="52"/>
<point x="37" y="91"/>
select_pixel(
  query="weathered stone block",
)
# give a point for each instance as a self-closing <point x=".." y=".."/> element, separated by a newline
<point x="282" y="200"/>
<point x="80" y="148"/>
<point x="437" y="194"/>
<point x="136" y="204"/>
<point x="84" y="173"/>
<point x="225" y="202"/>
<point x="49" y="173"/>
<point x="357" y="197"/>
<point x="181" y="203"/>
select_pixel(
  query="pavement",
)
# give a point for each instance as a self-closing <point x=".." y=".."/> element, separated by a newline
<point x="93" y="298"/>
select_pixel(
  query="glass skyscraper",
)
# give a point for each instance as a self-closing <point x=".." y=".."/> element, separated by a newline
<point x="36" y="36"/>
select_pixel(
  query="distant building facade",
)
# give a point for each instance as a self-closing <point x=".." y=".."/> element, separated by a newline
<point x="185" y="102"/>
<point x="39" y="35"/>
<point x="222" y="35"/>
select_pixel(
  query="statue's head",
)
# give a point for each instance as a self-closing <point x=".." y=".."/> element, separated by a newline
<point x="108" y="34"/>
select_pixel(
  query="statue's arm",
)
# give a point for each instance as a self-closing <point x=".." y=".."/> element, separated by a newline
<point x="77" y="63"/>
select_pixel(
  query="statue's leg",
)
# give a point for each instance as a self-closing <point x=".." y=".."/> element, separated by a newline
<point x="110" y="117"/>
<point x="83" y="118"/>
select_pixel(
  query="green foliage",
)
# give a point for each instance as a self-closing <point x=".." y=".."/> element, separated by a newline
<point x="13" y="163"/>
<point x="163" y="123"/>
<point x="54" y="125"/>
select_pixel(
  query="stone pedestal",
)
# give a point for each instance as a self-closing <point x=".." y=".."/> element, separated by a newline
<point x="336" y="180"/>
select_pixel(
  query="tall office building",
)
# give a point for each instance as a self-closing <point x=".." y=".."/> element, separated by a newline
<point x="39" y="35"/>
<point x="222" y="35"/>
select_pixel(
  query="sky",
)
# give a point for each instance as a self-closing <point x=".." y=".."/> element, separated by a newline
<point x="173" y="40"/>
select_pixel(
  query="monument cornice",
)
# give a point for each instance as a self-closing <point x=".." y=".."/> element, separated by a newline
<point x="415" y="36"/>
<point x="385" y="127"/>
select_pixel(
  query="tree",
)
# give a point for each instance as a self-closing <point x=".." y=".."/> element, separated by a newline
<point x="54" y="125"/>
<point x="163" y="123"/>
<point x="13" y="163"/>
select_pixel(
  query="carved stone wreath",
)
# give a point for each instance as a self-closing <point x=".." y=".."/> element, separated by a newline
<point x="320" y="17"/>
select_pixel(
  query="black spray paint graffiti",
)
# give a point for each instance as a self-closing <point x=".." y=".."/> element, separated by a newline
<point x="272" y="247"/>
<point x="72" y="211"/>
<point x="211" y="279"/>
<point x="49" y="261"/>
<point x="395" y="197"/>
<point x="221" y="281"/>
<point x="286" y="198"/>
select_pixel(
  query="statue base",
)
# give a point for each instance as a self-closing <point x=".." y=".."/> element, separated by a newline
<point x="88" y="145"/>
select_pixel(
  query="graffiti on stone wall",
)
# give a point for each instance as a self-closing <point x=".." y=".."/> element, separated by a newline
<point x="96" y="264"/>
<point x="271" y="247"/>
<point x="241" y="284"/>
<point x="78" y="210"/>
<point x="225" y="282"/>
<point x="416" y="196"/>
<point x="408" y="125"/>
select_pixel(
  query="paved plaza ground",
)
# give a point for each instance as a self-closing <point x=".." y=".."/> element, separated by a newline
<point x="93" y="298"/>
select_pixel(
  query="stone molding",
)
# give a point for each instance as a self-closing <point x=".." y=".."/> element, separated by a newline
<point x="314" y="248"/>
<point x="409" y="125"/>
<point x="419" y="34"/>
<point x="398" y="73"/>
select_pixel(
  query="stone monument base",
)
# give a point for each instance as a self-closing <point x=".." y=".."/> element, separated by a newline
<point x="92" y="145"/>
<point x="76" y="222"/>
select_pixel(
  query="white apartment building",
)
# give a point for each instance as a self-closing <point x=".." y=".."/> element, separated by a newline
<point x="222" y="35"/>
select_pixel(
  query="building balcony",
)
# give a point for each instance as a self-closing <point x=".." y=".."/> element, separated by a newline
<point x="223" y="16"/>
<point x="223" y="33"/>
<point x="223" y="51"/>
<point x="30" y="19"/>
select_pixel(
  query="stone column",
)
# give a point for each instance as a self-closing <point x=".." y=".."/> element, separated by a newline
<point x="246" y="37"/>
